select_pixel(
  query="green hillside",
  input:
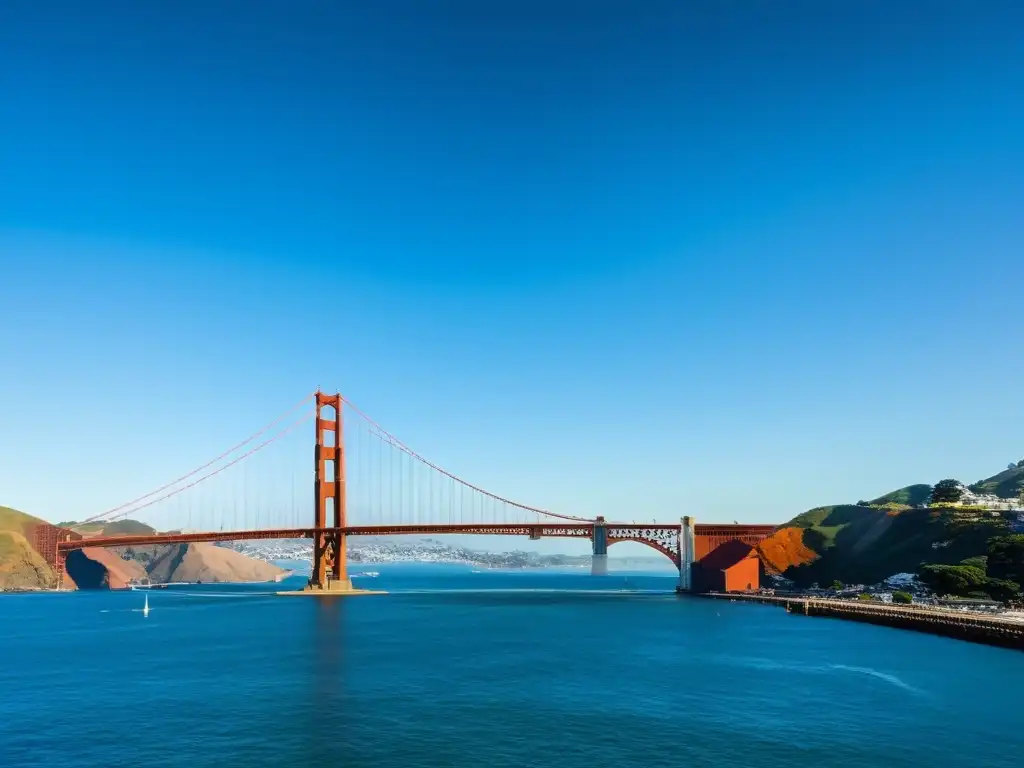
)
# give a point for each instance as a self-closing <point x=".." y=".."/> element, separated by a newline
<point x="103" y="528"/>
<point x="911" y="496"/>
<point x="864" y="545"/>
<point x="1007" y="484"/>
<point x="127" y="528"/>
<point x="13" y="520"/>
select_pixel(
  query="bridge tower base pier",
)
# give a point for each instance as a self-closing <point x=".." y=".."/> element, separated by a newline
<point x="599" y="559"/>
<point x="330" y="587"/>
<point x="686" y="552"/>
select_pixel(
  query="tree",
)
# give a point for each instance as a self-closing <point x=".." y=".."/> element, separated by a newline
<point x="902" y="597"/>
<point x="864" y="596"/>
<point x="837" y="585"/>
<point x="952" y="579"/>
<point x="1002" y="590"/>
<point x="1006" y="558"/>
<point x="981" y="561"/>
<point x="947" y="492"/>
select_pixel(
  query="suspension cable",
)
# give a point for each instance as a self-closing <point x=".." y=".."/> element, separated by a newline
<point x="228" y="452"/>
<point x="217" y="471"/>
<point x="385" y="435"/>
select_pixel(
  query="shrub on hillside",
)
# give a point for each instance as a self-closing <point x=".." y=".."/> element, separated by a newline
<point x="981" y="561"/>
<point x="958" y="580"/>
<point x="1006" y="558"/>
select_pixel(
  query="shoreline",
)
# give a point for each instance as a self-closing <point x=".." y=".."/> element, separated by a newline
<point x="958" y="625"/>
<point x="277" y="579"/>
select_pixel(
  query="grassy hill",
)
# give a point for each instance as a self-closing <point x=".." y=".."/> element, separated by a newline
<point x="868" y="541"/>
<point x="911" y="496"/>
<point x="864" y="544"/>
<point x="86" y="529"/>
<point x="103" y="528"/>
<point x="1008" y="484"/>
<point x="127" y="528"/>
<point x="21" y="567"/>
<point x="13" y="520"/>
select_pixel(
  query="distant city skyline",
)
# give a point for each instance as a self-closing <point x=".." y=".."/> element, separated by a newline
<point x="733" y="262"/>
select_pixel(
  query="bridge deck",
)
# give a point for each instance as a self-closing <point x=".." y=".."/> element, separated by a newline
<point x="542" y="530"/>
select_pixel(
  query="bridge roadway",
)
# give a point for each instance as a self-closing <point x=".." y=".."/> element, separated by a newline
<point x="659" y="536"/>
<point x="684" y="544"/>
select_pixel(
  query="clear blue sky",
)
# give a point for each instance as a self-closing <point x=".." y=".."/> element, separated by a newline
<point x="643" y="259"/>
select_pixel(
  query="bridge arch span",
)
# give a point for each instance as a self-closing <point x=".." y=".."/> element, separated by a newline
<point x="658" y="546"/>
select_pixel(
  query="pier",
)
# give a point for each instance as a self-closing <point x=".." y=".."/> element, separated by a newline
<point x="991" y="630"/>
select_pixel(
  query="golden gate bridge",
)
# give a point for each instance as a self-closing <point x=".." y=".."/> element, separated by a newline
<point x="361" y="480"/>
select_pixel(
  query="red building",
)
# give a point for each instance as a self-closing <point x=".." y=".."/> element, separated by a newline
<point x="732" y="567"/>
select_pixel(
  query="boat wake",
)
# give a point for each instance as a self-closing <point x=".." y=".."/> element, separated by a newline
<point x="770" y="664"/>
<point x="875" y="673"/>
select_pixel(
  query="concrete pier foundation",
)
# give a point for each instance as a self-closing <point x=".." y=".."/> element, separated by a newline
<point x="686" y="550"/>
<point x="332" y="587"/>
<point x="599" y="560"/>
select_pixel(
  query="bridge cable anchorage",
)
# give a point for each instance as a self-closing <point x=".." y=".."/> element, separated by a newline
<point x="207" y="476"/>
<point x="211" y="462"/>
<point x="383" y="434"/>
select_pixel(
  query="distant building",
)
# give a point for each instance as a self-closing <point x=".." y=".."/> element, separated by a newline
<point x="987" y="500"/>
<point x="732" y="567"/>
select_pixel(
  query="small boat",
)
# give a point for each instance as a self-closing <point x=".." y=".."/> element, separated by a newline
<point x="145" y="608"/>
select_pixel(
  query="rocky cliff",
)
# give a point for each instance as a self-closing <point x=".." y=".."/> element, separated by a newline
<point x="207" y="563"/>
<point x="177" y="563"/>
<point x="21" y="567"/>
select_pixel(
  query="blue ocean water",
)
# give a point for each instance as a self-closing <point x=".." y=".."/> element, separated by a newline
<point x="456" y="668"/>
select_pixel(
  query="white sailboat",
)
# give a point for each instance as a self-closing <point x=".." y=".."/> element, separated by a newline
<point x="145" y="607"/>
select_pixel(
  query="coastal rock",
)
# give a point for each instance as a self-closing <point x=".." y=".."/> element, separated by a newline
<point x="21" y="567"/>
<point x="119" y="572"/>
<point x="208" y="563"/>
<point x="786" y="549"/>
